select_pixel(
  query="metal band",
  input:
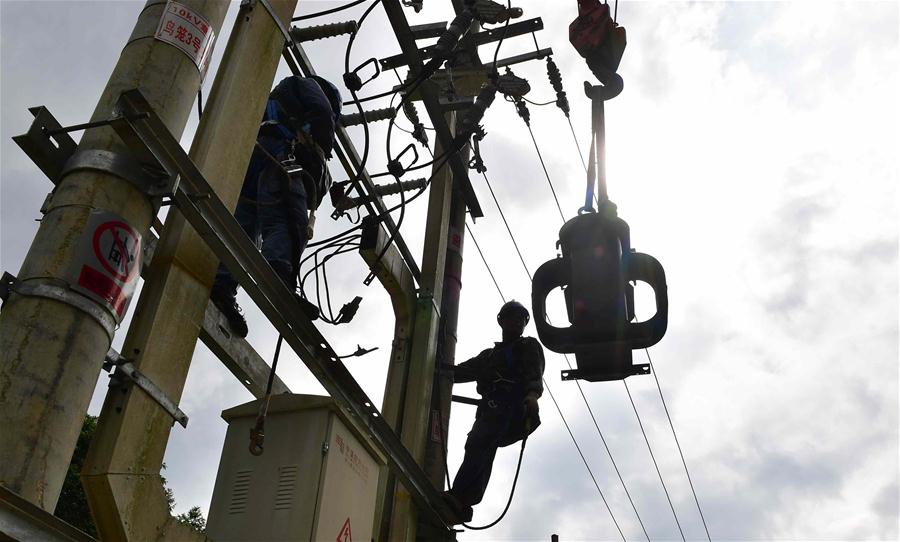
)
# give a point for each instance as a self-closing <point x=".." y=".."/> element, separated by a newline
<point x="49" y="290"/>
<point x="124" y="368"/>
<point x="122" y="166"/>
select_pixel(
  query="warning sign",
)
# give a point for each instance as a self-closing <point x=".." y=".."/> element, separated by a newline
<point x="189" y="31"/>
<point x="344" y="535"/>
<point x="108" y="262"/>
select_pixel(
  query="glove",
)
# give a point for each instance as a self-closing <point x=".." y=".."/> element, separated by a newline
<point x="531" y="407"/>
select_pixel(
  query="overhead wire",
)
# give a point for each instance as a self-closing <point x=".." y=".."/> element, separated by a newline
<point x="483" y="259"/>
<point x="327" y="11"/>
<point x="653" y="457"/>
<point x="678" y="444"/>
<point x="546" y="174"/>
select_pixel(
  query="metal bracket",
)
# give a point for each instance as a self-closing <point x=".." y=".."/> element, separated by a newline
<point x="154" y="184"/>
<point x="126" y="369"/>
<point x="48" y="152"/>
<point x="51" y="289"/>
<point x="53" y="150"/>
<point x="249" y="4"/>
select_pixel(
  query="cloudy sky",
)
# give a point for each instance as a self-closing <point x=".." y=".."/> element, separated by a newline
<point x="754" y="152"/>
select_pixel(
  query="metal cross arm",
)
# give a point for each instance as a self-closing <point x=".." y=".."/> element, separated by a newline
<point x="480" y="38"/>
<point x="213" y="221"/>
<point x="430" y="98"/>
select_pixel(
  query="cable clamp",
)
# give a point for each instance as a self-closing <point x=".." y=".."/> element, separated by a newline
<point x="352" y="79"/>
<point x="51" y="289"/>
<point x="149" y="179"/>
<point x="397" y="169"/>
<point x="125" y="370"/>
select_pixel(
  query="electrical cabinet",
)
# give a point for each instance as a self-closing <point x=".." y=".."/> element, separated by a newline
<point x="316" y="480"/>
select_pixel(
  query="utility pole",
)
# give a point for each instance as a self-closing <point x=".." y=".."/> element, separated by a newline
<point x="53" y="339"/>
<point x="133" y="430"/>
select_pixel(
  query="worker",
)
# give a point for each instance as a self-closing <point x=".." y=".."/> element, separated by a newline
<point x="284" y="185"/>
<point x="509" y="379"/>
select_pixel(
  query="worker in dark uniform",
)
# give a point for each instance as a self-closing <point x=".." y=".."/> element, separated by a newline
<point x="510" y="381"/>
<point x="284" y="184"/>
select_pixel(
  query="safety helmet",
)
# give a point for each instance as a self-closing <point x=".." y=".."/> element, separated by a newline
<point x="513" y="306"/>
<point x="331" y="92"/>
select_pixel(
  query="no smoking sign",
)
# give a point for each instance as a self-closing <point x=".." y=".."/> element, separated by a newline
<point x="108" y="262"/>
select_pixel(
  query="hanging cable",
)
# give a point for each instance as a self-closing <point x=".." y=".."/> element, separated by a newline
<point x="327" y="11"/>
<point x="672" y="426"/>
<point x="365" y="125"/>
<point x="258" y="433"/>
<point x="653" y="457"/>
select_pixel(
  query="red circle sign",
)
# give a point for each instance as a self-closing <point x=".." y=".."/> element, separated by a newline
<point x="115" y="246"/>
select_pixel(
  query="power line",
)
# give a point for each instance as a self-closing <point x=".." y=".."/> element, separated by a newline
<point x="596" y="425"/>
<point x="546" y="174"/>
<point x="575" y="442"/>
<point x="511" y="236"/>
<point x="577" y="146"/>
<point x="480" y="253"/>
<point x="653" y="457"/>
<point x="683" y="462"/>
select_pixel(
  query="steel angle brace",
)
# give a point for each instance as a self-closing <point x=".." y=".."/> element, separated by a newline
<point x="125" y="369"/>
<point x="215" y="224"/>
<point x="250" y="4"/>
<point x="430" y="98"/>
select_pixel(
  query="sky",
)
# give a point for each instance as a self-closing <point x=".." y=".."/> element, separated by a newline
<point x="753" y="152"/>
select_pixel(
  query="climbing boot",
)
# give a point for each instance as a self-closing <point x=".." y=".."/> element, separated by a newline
<point x="309" y="309"/>
<point x="289" y="278"/>
<point x="461" y="512"/>
<point x="227" y="304"/>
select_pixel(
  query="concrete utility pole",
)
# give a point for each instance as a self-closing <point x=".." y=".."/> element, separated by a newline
<point x="122" y="471"/>
<point x="417" y="404"/>
<point x="52" y="339"/>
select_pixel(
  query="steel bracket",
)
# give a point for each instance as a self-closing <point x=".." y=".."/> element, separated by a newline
<point x="250" y="4"/>
<point x="125" y="369"/>
<point x="53" y="150"/>
<point x="59" y="291"/>
<point x="48" y="152"/>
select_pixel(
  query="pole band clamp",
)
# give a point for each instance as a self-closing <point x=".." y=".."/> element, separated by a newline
<point x="51" y="289"/>
<point x="155" y="184"/>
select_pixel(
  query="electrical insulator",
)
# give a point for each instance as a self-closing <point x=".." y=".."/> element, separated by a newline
<point x="556" y="81"/>
<point x="490" y="12"/>
<point x="522" y="110"/>
<point x="448" y="40"/>
<point x="473" y="116"/>
<point x="370" y="116"/>
<point x="310" y="33"/>
<point x="346" y="203"/>
<point x="418" y="133"/>
<point x="510" y="84"/>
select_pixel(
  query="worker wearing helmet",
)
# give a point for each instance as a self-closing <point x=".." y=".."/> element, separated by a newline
<point x="284" y="184"/>
<point x="510" y="381"/>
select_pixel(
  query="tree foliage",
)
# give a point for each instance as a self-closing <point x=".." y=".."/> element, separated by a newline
<point x="72" y="506"/>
